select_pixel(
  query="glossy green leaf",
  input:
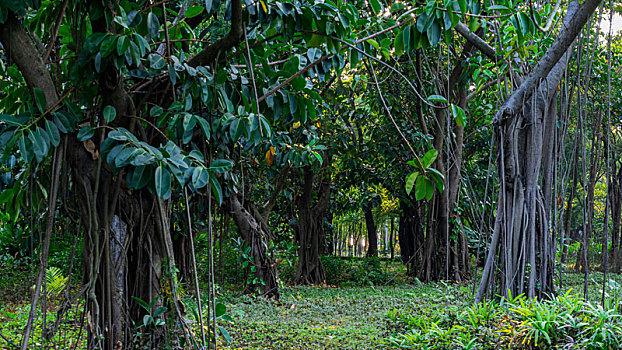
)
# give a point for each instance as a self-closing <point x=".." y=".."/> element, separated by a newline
<point x="216" y="189"/>
<point x="162" y="182"/>
<point x="52" y="131"/>
<point x="200" y="177"/>
<point x="434" y="34"/>
<point x="40" y="99"/>
<point x="375" y="5"/>
<point x="437" y="178"/>
<point x="109" y="113"/>
<point x="420" y="189"/>
<point x="429" y="158"/>
<point x="153" y="24"/>
<point x="221" y="165"/>
<point x="85" y="133"/>
<point x="194" y="11"/>
<point x="398" y="44"/>
<point x="437" y="98"/>
<point x="221" y="309"/>
<point x="24" y="146"/>
<point x="458" y="114"/>
<point x="410" y="181"/>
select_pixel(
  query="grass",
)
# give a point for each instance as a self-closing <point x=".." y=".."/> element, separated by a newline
<point x="356" y="315"/>
<point x="311" y="317"/>
<point x="333" y="318"/>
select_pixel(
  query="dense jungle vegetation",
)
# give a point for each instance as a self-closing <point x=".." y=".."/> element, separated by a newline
<point x="261" y="174"/>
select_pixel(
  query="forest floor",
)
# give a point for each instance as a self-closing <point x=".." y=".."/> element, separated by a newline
<point x="351" y="316"/>
<point x="331" y="318"/>
<point x="359" y="317"/>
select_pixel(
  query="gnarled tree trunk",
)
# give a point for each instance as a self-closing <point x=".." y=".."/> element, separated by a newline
<point x="522" y="243"/>
<point x="310" y="217"/>
<point x="256" y="234"/>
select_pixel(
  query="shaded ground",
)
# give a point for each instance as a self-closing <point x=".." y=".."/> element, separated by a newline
<point x="331" y="318"/>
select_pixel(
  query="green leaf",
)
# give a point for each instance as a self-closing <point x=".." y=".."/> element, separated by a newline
<point x="420" y="190"/>
<point x="122" y="45"/>
<point x="38" y="145"/>
<point x="216" y="189"/>
<point x="156" y="61"/>
<point x="458" y="114"/>
<point x="40" y="99"/>
<point x="194" y="11"/>
<point x="155" y="111"/>
<point x="53" y="133"/>
<point x="24" y="146"/>
<point x="162" y="182"/>
<point x="221" y="309"/>
<point x="204" y="127"/>
<point x="153" y="24"/>
<point x="200" y="177"/>
<point x="221" y="165"/>
<point x="225" y="334"/>
<point x="429" y="158"/>
<point x="499" y="8"/>
<point x="437" y="178"/>
<point x="429" y="189"/>
<point x="437" y="98"/>
<point x="85" y="133"/>
<point x="109" y="113"/>
<point x="463" y="6"/>
<point x="265" y="126"/>
<point x="159" y="311"/>
<point x="410" y="181"/>
<point x="375" y="6"/>
<point x="399" y="43"/>
<point x="434" y="34"/>
<point x="142" y="303"/>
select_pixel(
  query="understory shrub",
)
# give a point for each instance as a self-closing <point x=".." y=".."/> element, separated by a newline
<point x="565" y="321"/>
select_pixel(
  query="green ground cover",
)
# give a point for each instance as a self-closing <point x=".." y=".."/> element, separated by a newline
<point x="395" y="312"/>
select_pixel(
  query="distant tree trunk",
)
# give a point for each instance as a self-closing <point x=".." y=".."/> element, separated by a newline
<point x="616" y="215"/>
<point x="391" y="238"/>
<point x="372" y="234"/>
<point x="571" y="195"/>
<point x="581" y="264"/>
<point x="310" y="217"/>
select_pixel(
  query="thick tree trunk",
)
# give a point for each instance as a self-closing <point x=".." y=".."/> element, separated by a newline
<point x="372" y="234"/>
<point x="411" y="236"/>
<point x="309" y="269"/>
<point x="127" y="240"/>
<point x="522" y="234"/>
<point x="256" y="235"/>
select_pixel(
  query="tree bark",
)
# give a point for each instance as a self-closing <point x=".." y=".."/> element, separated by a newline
<point x="522" y="234"/>
<point x="372" y="234"/>
<point x="256" y="236"/>
<point x="309" y="269"/>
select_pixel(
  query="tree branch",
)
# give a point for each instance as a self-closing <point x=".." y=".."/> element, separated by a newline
<point x="225" y="43"/>
<point x="478" y="42"/>
<point x="565" y="38"/>
<point x="24" y="53"/>
<point x="267" y="207"/>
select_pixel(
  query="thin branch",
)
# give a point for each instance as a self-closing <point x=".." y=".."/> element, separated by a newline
<point x="48" y="50"/>
<point x="226" y="43"/>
